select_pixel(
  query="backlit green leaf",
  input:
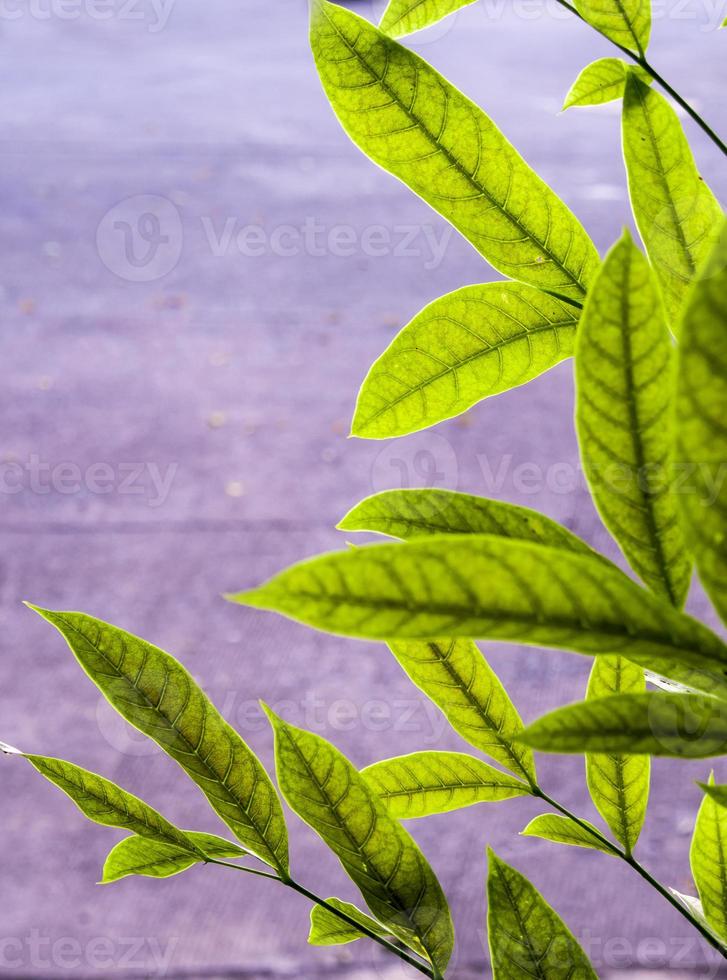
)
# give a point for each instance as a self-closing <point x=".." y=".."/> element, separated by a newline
<point x="528" y="939"/>
<point x="618" y="784"/>
<point x="153" y="692"/>
<point x="106" y="803"/>
<point x="601" y="81"/>
<point x="466" y="346"/>
<point x="563" y="830"/>
<point x="458" y="679"/>
<point x="708" y="858"/>
<point x="154" y="859"/>
<point x="326" y="929"/>
<point x="702" y="424"/>
<point x="497" y="588"/>
<point x="717" y="792"/>
<point x="424" y="783"/>
<point x="420" y="513"/>
<point x="689" y="726"/>
<point x="419" y="127"/>
<point x="624" y="371"/>
<point x="399" y="887"/>
<point x="407" y="16"/>
<point x="677" y="214"/>
<point x="627" y="22"/>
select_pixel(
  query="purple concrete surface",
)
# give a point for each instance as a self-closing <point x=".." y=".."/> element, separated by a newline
<point x="209" y="391"/>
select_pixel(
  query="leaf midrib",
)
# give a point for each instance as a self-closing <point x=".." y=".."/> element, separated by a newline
<point x="455" y="163"/>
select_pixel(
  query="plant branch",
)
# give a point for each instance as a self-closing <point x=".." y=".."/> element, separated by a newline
<point x="402" y="954"/>
<point x="640" y="59"/>
<point x="705" y="932"/>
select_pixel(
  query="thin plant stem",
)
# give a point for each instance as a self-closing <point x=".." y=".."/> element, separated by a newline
<point x="705" y="932"/>
<point x="402" y="954"/>
<point x="640" y="59"/>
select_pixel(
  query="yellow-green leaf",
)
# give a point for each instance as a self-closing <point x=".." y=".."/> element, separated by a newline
<point x="627" y="22"/>
<point x="624" y="371"/>
<point x="424" y="783"/>
<point x="528" y="939"/>
<point x="676" y="212"/>
<point x="328" y="929"/>
<point x="412" y="122"/>
<point x="688" y="726"/>
<point x="153" y="692"/>
<point x="601" y="81"/>
<point x="403" y="17"/>
<point x="618" y="784"/>
<point x="708" y="858"/>
<point x="154" y="859"/>
<point x="701" y="408"/>
<point x="468" y="345"/>
<point x="383" y="860"/>
<point x="564" y="830"/>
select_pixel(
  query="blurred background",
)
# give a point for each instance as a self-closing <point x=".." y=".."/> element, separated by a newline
<point x="198" y="269"/>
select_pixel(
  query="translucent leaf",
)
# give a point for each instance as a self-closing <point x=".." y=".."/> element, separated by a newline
<point x="424" y="783"/>
<point x="527" y="937"/>
<point x="496" y="588"/>
<point x="627" y="22"/>
<point x="399" y="887"/>
<point x="154" y="859"/>
<point x="106" y="803"/>
<point x="702" y="424"/>
<point x="717" y="792"/>
<point x="468" y="345"/>
<point x="688" y="726"/>
<point x="327" y="929"/>
<point x="563" y="830"/>
<point x="677" y="214"/>
<point x="407" y="16"/>
<point x="419" y="127"/>
<point x="602" y="81"/>
<point x="618" y="784"/>
<point x="708" y="858"/>
<point x="419" y="513"/>
<point x="624" y="371"/>
<point x="458" y="679"/>
<point x="153" y="692"/>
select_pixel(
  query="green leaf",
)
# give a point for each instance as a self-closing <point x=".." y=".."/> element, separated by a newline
<point x="468" y="345"/>
<point x="627" y="22"/>
<point x="106" y="803"/>
<point x="677" y="214"/>
<point x="154" y="859"/>
<point x="527" y="937"/>
<point x="702" y="424"/>
<point x="458" y="679"/>
<point x="687" y="726"/>
<point x="717" y="792"/>
<point x="153" y="692"/>
<point x="421" y="513"/>
<point x="328" y="929"/>
<point x="403" y="17"/>
<point x="496" y="588"/>
<point x="424" y="783"/>
<point x="418" y="126"/>
<point x="602" y="81"/>
<point x="624" y="372"/>
<point x="563" y="830"/>
<point x="399" y="887"/>
<point x="708" y="858"/>
<point x="618" y="784"/>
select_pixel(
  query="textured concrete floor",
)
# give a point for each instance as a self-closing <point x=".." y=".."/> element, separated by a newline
<point x="176" y="428"/>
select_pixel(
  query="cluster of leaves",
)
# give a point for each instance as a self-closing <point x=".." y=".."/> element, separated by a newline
<point x="465" y="567"/>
